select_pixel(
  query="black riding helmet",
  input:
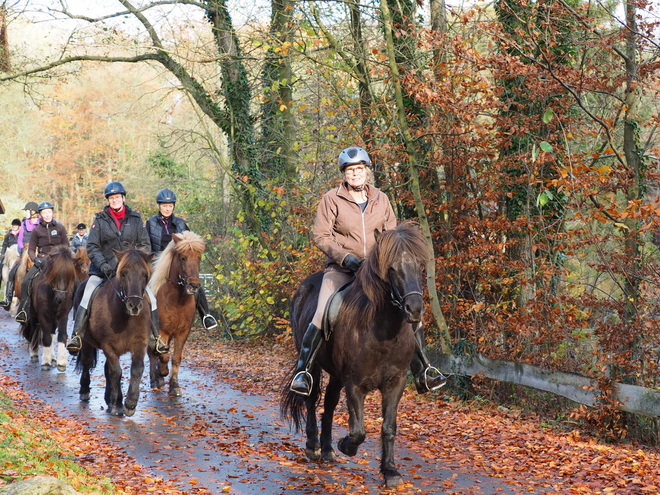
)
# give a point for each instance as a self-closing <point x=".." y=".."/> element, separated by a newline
<point x="31" y="205"/>
<point x="165" y="196"/>
<point x="114" y="187"/>
<point x="16" y="221"/>
<point x="45" y="205"/>
<point x="81" y="226"/>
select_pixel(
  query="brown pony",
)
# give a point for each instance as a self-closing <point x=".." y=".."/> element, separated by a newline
<point x="370" y="348"/>
<point x="24" y="265"/>
<point x="51" y="300"/>
<point x="175" y="283"/>
<point x="82" y="267"/>
<point x="119" y="323"/>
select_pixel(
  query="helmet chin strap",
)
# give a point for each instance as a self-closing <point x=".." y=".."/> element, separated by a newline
<point x="358" y="188"/>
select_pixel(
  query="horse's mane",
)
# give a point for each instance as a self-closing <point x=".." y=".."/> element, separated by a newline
<point x="371" y="289"/>
<point x="56" y="270"/>
<point x="11" y="255"/>
<point x="189" y="242"/>
<point x="132" y="257"/>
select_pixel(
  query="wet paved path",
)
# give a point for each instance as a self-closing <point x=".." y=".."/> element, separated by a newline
<point x="219" y="438"/>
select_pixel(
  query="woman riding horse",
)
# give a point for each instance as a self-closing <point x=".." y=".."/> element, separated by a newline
<point x="160" y="228"/>
<point x="45" y="236"/>
<point x="30" y="221"/>
<point x="116" y="228"/>
<point x="346" y="222"/>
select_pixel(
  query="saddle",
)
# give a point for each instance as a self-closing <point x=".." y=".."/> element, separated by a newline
<point x="331" y="311"/>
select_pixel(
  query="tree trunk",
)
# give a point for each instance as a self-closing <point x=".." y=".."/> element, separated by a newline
<point x="413" y="164"/>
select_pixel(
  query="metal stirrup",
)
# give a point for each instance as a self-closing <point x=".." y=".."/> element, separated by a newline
<point x="439" y="374"/>
<point x="311" y="382"/>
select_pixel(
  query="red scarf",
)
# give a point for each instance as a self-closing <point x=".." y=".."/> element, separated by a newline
<point x="118" y="216"/>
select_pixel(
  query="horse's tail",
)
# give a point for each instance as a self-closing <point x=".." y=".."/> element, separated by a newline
<point x="292" y="405"/>
<point x="29" y="332"/>
<point x="88" y="357"/>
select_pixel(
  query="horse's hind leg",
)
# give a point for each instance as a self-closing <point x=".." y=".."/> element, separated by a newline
<point x="133" y="394"/>
<point x="355" y="402"/>
<point x="390" y="404"/>
<point x="332" y="393"/>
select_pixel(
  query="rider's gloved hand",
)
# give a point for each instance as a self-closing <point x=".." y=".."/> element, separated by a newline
<point x="352" y="262"/>
<point x="39" y="263"/>
<point x="107" y="270"/>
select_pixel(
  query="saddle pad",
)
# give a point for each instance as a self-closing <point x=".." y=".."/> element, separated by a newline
<point x="332" y="309"/>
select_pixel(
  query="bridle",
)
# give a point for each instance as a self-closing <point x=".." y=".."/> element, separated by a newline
<point x="182" y="280"/>
<point x="123" y="297"/>
<point x="397" y="299"/>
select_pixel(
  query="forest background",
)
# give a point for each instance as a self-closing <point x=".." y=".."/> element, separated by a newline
<point x="521" y="135"/>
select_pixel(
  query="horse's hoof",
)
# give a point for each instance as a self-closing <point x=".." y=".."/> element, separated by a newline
<point x="84" y="397"/>
<point x="34" y="359"/>
<point x="45" y="367"/>
<point x="347" y="448"/>
<point x="53" y="363"/>
<point x="61" y="367"/>
<point x="116" y="411"/>
<point x="128" y="412"/>
<point x="329" y="456"/>
<point x="175" y="392"/>
<point x="313" y="454"/>
<point x="392" y="481"/>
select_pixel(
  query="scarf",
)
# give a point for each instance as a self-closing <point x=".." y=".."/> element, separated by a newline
<point x="118" y="216"/>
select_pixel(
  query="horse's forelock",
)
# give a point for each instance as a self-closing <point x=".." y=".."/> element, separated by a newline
<point x="131" y="258"/>
<point x="60" y="267"/>
<point x="189" y="243"/>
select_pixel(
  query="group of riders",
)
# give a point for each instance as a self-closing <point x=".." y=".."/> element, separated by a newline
<point x="344" y="230"/>
<point x="116" y="228"/>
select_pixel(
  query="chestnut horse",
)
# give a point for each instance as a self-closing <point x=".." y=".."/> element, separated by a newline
<point x="175" y="283"/>
<point x="24" y="265"/>
<point x="119" y="323"/>
<point x="82" y="267"/>
<point x="51" y="299"/>
<point x="370" y="347"/>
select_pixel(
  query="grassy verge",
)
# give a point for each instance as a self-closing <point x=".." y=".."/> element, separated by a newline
<point x="29" y="447"/>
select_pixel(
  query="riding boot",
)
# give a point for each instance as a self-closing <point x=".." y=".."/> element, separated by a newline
<point x="24" y="304"/>
<point x="208" y="320"/>
<point x="79" y="327"/>
<point x="158" y="346"/>
<point x="9" y="294"/>
<point x="302" y="381"/>
<point x="427" y="377"/>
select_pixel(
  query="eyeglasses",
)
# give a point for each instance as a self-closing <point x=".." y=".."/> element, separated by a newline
<point x="354" y="170"/>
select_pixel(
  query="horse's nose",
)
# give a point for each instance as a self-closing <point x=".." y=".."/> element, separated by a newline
<point x="133" y="307"/>
<point x="192" y="287"/>
<point x="414" y="309"/>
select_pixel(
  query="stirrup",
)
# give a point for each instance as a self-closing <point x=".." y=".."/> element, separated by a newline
<point x="209" y="322"/>
<point x="160" y="347"/>
<point x="431" y="373"/>
<point x="21" y="317"/>
<point x="74" y="345"/>
<point x="305" y="376"/>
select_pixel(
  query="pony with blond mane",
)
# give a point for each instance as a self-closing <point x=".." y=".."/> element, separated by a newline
<point x="175" y="282"/>
<point x="11" y="257"/>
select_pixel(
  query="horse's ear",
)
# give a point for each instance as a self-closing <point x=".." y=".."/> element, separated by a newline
<point x="177" y="237"/>
<point x="150" y="256"/>
<point x="118" y="254"/>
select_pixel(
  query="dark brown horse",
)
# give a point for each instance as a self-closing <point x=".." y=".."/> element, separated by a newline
<point x="51" y="299"/>
<point x="370" y="348"/>
<point x="119" y="323"/>
<point x="175" y="283"/>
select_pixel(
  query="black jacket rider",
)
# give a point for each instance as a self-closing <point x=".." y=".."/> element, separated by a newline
<point x="158" y="233"/>
<point x="104" y="237"/>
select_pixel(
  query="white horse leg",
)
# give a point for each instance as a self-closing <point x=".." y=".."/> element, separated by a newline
<point x="46" y="357"/>
<point x="61" y="356"/>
